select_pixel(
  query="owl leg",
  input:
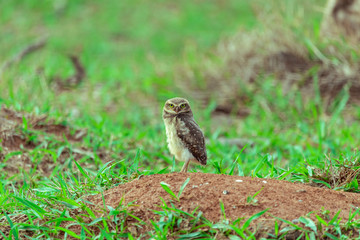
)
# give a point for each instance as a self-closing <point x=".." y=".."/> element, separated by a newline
<point x="185" y="167"/>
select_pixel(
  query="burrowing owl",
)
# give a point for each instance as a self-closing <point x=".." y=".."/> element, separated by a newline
<point x="184" y="136"/>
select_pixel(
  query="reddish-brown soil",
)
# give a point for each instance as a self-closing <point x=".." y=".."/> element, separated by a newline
<point x="283" y="199"/>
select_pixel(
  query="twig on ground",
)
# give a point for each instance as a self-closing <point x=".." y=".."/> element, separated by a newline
<point x="79" y="75"/>
<point x="75" y="79"/>
<point x="37" y="45"/>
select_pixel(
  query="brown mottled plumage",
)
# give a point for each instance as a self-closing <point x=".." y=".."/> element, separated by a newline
<point x="184" y="136"/>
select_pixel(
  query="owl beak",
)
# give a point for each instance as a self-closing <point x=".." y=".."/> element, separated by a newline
<point x="177" y="109"/>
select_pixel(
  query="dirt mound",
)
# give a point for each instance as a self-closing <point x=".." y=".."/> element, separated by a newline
<point x="25" y="135"/>
<point x="283" y="199"/>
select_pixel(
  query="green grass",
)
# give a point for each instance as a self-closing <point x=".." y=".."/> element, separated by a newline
<point x="131" y="51"/>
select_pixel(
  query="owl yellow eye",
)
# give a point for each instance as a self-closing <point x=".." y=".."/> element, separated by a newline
<point x="183" y="105"/>
<point x="171" y="105"/>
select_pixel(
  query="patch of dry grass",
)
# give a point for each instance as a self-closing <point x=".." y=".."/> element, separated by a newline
<point x="337" y="173"/>
<point x="297" y="61"/>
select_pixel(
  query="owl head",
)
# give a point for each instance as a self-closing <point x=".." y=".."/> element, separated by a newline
<point x="175" y="106"/>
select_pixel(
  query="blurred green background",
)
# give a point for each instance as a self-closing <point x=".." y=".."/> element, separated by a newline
<point x="133" y="50"/>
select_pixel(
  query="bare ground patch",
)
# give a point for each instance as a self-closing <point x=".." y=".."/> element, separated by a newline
<point x="36" y="145"/>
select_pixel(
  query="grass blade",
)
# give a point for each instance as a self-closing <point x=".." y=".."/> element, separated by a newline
<point x="335" y="218"/>
<point x="71" y="233"/>
<point x="13" y="229"/>
<point x="83" y="172"/>
<point x="222" y="207"/>
<point x="166" y="187"/>
<point x="193" y="235"/>
<point x="308" y="223"/>
<point x="36" y="209"/>
<point x="183" y="187"/>
<point x="253" y="217"/>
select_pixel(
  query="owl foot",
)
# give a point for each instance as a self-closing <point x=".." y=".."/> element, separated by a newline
<point x="186" y="165"/>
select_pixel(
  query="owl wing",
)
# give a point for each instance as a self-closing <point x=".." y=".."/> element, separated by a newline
<point x="193" y="139"/>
